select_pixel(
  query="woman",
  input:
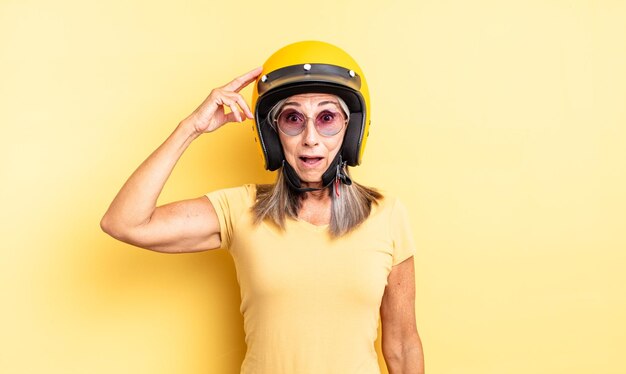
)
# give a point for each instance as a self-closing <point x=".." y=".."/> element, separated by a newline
<point x="318" y="258"/>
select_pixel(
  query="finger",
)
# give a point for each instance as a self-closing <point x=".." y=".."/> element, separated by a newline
<point x="230" y="98"/>
<point x="240" y="82"/>
<point x="235" y="112"/>
<point x="244" y="106"/>
<point x="231" y="117"/>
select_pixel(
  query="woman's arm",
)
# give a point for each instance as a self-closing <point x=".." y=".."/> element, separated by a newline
<point x="401" y="343"/>
<point x="184" y="226"/>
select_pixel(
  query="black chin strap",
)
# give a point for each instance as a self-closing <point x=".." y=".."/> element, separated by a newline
<point x="336" y="172"/>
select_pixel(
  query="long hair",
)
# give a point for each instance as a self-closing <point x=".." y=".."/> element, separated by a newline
<point x="349" y="208"/>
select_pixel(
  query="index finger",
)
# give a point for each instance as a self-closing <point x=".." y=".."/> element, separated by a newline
<point x="240" y="82"/>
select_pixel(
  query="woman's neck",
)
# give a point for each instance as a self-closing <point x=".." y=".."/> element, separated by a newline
<point x="318" y="195"/>
<point x="315" y="207"/>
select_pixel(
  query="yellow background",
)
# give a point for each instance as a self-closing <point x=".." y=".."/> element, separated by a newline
<point x="500" y="124"/>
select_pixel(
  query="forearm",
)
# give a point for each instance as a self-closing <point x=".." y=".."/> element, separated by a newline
<point x="405" y="359"/>
<point x="136" y="200"/>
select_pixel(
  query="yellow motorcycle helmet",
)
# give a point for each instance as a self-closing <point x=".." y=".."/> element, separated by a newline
<point x="311" y="67"/>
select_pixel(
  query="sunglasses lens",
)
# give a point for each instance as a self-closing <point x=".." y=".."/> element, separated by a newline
<point x="291" y="122"/>
<point x="329" y="123"/>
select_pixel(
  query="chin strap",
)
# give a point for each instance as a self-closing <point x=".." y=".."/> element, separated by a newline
<point x="336" y="172"/>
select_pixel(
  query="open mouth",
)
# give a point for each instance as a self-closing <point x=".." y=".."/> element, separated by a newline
<point x="310" y="160"/>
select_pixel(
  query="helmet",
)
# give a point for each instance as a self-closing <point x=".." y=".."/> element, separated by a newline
<point x="311" y="67"/>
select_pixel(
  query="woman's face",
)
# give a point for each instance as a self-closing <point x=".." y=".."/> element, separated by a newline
<point x="310" y="153"/>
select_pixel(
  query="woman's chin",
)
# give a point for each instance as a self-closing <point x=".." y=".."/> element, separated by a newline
<point x="310" y="176"/>
<point x="310" y="180"/>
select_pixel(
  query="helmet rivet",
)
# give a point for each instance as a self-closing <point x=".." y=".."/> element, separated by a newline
<point x="352" y="73"/>
<point x="264" y="78"/>
<point x="307" y="67"/>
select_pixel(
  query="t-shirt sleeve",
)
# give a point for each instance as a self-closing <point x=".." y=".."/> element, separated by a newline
<point x="230" y="204"/>
<point x="403" y="244"/>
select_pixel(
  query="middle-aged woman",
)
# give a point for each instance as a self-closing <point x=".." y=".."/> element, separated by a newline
<point x="319" y="258"/>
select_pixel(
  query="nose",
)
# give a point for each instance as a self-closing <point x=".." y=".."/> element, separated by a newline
<point x="310" y="135"/>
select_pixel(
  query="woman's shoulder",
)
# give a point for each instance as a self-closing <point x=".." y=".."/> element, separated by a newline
<point x="247" y="188"/>
<point x="388" y="203"/>
<point x="239" y="195"/>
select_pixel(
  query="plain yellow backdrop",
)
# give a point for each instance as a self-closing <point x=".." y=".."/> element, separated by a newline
<point x="500" y="124"/>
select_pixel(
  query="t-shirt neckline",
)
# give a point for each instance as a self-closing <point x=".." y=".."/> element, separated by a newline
<point x="311" y="226"/>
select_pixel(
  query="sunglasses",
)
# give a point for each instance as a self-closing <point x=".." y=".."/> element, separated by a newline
<point x="327" y="123"/>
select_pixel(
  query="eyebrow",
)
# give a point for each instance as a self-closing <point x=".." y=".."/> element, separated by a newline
<point x="328" y="102"/>
<point x="319" y="104"/>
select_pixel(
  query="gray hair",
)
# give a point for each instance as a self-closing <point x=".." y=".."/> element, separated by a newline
<point x="349" y="208"/>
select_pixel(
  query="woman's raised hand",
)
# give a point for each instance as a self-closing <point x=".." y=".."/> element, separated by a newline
<point x="184" y="226"/>
<point x="211" y="114"/>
